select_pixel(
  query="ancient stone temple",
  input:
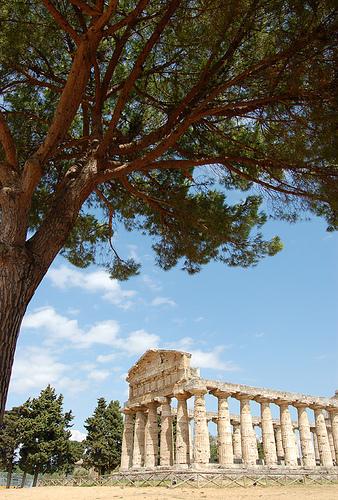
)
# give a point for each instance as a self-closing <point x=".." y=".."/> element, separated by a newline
<point x="157" y="434"/>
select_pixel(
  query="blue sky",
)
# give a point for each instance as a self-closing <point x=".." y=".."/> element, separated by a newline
<point x="274" y="325"/>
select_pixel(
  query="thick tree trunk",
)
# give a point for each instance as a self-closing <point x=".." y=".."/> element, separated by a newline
<point x="19" y="279"/>
<point x="9" y="476"/>
<point x="23" y="480"/>
<point x="23" y="263"/>
<point x="35" y="478"/>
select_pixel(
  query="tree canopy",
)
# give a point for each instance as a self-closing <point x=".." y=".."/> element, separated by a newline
<point x="104" y="439"/>
<point x="166" y="105"/>
<point x="146" y="114"/>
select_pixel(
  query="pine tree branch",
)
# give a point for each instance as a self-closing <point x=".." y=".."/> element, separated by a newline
<point x="62" y="21"/>
<point x="99" y="5"/>
<point x="134" y="74"/>
<point x="111" y="210"/>
<point x="7" y="141"/>
<point x="149" y="200"/>
<point x="228" y="163"/>
<point x="85" y="8"/>
<point x="128" y="19"/>
<point x="105" y="17"/>
<point x="71" y="97"/>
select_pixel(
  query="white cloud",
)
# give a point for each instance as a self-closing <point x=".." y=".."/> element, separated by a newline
<point x="77" y="435"/>
<point x="57" y="326"/>
<point x="139" y="341"/>
<point x="72" y="385"/>
<point x="56" y="329"/>
<point x="151" y="283"/>
<point x="94" y="282"/>
<point x="259" y="335"/>
<point x="35" y="370"/>
<point x="87" y="367"/>
<point x="105" y="358"/>
<point x="133" y="253"/>
<point x="37" y="367"/>
<point x="98" y="375"/>
<point x="182" y="344"/>
<point x="104" y="332"/>
<point x="60" y="327"/>
<point x="199" y="319"/>
<point x="212" y="360"/>
<point x="160" y="301"/>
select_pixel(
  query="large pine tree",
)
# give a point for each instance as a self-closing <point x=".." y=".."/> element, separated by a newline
<point x="44" y="429"/>
<point x="147" y="113"/>
<point x="104" y="439"/>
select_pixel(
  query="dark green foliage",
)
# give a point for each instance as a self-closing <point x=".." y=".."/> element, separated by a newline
<point x="260" y="450"/>
<point x="76" y="452"/>
<point x="262" y="118"/>
<point x="213" y="449"/>
<point x="10" y="439"/>
<point x="77" y="449"/>
<point x="104" y="440"/>
<point x="123" y="269"/>
<point x="44" y="429"/>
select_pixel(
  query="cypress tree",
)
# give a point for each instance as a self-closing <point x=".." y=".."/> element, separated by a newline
<point x="104" y="439"/>
<point x="9" y="442"/>
<point x="77" y="449"/>
<point x="45" y="435"/>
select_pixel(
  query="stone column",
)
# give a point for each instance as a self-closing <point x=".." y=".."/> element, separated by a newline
<point x="191" y="440"/>
<point x="279" y="442"/>
<point x="138" y="448"/>
<point x="248" y="435"/>
<point x="268" y="436"/>
<point x="334" y="429"/>
<point x="288" y="437"/>
<point x="256" y="440"/>
<point x="166" y="441"/>
<point x="182" y="431"/>
<point x="201" y="432"/>
<point x="224" y="438"/>
<point x="237" y="440"/>
<point x="297" y="439"/>
<point x="322" y="437"/>
<point x="315" y="444"/>
<point x="306" y="443"/>
<point x="127" y="440"/>
<point x="330" y="436"/>
<point x="151" y="436"/>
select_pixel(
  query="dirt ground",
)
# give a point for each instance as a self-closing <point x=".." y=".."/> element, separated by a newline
<point x="329" y="492"/>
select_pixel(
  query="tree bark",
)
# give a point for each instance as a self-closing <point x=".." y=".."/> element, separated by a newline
<point x="23" y="264"/>
<point x="35" y="478"/>
<point x="9" y="476"/>
<point x="19" y="278"/>
<point x="23" y="480"/>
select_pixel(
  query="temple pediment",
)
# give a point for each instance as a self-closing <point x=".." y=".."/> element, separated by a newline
<point x="159" y="370"/>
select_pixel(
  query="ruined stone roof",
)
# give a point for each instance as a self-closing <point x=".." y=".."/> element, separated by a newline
<point x="150" y="352"/>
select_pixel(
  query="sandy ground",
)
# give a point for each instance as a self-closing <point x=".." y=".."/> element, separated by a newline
<point x="329" y="492"/>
